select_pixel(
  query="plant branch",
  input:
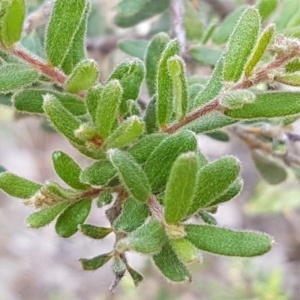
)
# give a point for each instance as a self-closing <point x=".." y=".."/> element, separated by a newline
<point x="40" y="65"/>
<point x="204" y="110"/>
<point x="177" y="12"/>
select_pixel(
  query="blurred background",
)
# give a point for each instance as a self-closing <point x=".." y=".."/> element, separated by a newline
<point x="37" y="264"/>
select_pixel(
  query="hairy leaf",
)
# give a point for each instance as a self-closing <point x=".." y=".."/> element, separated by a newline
<point x="83" y="77"/>
<point x="268" y="105"/>
<point x="31" y="101"/>
<point x="176" y="69"/>
<point x="266" y="8"/>
<point x="186" y="251"/>
<point x="99" y="173"/>
<point x="159" y="163"/>
<point x="213" y="180"/>
<point x="133" y="215"/>
<point x="241" y="44"/>
<point x="147" y="239"/>
<point x="12" y="15"/>
<point x="154" y="52"/>
<point x="94" y="232"/>
<point x="16" y="76"/>
<point x="164" y="84"/>
<point x="136" y="48"/>
<point x="178" y="197"/>
<point x="45" y="216"/>
<point x="74" y="215"/>
<point x="228" y="242"/>
<point x="91" y="264"/>
<point x="17" y="186"/>
<point x="170" y="265"/>
<point x="132" y="175"/>
<point x="68" y="170"/>
<point x="65" y="22"/>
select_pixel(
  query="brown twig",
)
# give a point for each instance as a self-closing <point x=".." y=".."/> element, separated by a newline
<point x="42" y="66"/>
<point x="211" y="106"/>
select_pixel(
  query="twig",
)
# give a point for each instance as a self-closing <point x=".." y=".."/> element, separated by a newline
<point x="211" y="106"/>
<point x="40" y="65"/>
<point x="177" y="11"/>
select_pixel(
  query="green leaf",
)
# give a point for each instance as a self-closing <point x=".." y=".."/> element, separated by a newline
<point x="142" y="149"/>
<point x="2" y="169"/>
<point x="240" y="44"/>
<point x="270" y="170"/>
<point x="234" y="190"/>
<point x="135" y="275"/>
<point x="223" y="32"/>
<point x="66" y="20"/>
<point x="77" y="51"/>
<point x="130" y="73"/>
<point x="136" y="48"/>
<point x="99" y="173"/>
<point x="5" y="99"/>
<point x="266" y="8"/>
<point x="147" y="239"/>
<point x="126" y="133"/>
<point x="209" y="31"/>
<point x="261" y="46"/>
<point x="164" y="84"/>
<point x="154" y="52"/>
<point x="45" y="216"/>
<point x="31" y="101"/>
<point x="287" y="11"/>
<point x="219" y="136"/>
<point x="207" y="218"/>
<point x="83" y="77"/>
<point x="150" y="117"/>
<point x="292" y="79"/>
<point x="229" y="242"/>
<point x="159" y="163"/>
<point x="92" y="100"/>
<point x="213" y="87"/>
<point x="176" y="67"/>
<point x="268" y="105"/>
<point x="16" y="76"/>
<point x="104" y="199"/>
<point x="91" y="264"/>
<point x="61" y="118"/>
<point x="192" y="22"/>
<point x="74" y="215"/>
<point x="213" y="180"/>
<point x="186" y="251"/>
<point x="17" y="186"/>
<point x="237" y="98"/>
<point x="210" y="122"/>
<point x="134" y="215"/>
<point x="68" y="170"/>
<point x="94" y="232"/>
<point x="170" y="265"/>
<point x="178" y="197"/>
<point x="130" y="13"/>
<point x="193" y="91"/>
<point x="205" y="55"/>
<point x="131" y="174"/>
<point x="12" y="15"/>
<point x="108" y="98"/>
<point x="293" y="66"/>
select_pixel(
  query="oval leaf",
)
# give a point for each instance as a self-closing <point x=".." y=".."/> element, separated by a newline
<point x="170" y="265"/>
<point x="64" y="23"/>
<point x="74" y="215"/>
<point x="229" y="242"/>
<point x="159" y="163"/>
<point x="240" y="44"/>
<point x="45" y="216"/>
<point x="17" y="186"/>
<point x="68" y="170"/>
<point x="131" y="174"/>
<point x="91" y="264"/>
<point x="94" y="232"/>
<point x="178" y="197"/>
